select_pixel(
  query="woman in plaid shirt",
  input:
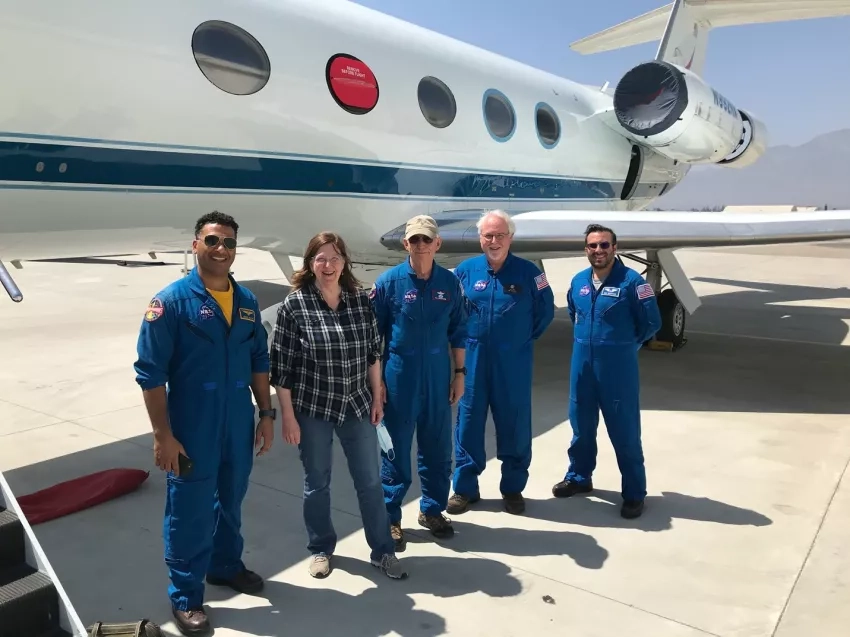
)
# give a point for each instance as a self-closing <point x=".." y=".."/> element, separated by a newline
<point x="326" y="370"/>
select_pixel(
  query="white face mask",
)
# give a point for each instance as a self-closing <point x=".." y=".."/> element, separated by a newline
<point x="386" y="441"/>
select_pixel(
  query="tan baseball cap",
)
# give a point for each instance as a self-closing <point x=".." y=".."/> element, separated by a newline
<point x="421" y="224"/>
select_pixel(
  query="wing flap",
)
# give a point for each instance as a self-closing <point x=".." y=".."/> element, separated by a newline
<point x="555" y="233"/>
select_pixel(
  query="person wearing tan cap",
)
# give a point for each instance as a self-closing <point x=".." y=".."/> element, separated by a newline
<point x="421" y="313"/>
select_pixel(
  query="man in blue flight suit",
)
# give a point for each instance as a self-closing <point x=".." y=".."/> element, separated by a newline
<point x="614" y="312"/>
<point x="421" y="312"/>
<point x="202" y="337"/>
<point x="510" y="306"/>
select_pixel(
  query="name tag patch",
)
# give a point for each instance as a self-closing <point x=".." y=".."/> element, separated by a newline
<point x="512" y="288"/>
<point x="410" y="296"/>
<point x="246" y="314"/>
<point x="609" y="291"/>
<point x="439" y="295"/>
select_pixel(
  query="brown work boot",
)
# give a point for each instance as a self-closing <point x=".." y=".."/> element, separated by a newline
<point x="398" y="537"/>
<point x="439" y="525"/>
<point x="460" y="503"/>
<point x="191" y="622"/>
<point x="514" y="503"/>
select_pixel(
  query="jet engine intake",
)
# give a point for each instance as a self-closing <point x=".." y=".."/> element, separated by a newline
<point x="673" y="111"/>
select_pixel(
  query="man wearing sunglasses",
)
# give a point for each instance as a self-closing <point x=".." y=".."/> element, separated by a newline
<point x="202" y="338"/>
<point x="614" y="311"/>
<point x="421" y="313"/>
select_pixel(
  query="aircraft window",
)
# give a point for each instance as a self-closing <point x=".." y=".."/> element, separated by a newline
<point x="548" y="125"/>
<point x="436" y="102"/>
<point x="352" y="84"/>
<point x="499" y="115"/>
<point x="230" y="58"/>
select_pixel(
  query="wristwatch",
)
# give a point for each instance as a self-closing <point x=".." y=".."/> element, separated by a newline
<point x="461" y="370"/>
<point x="268" y="413"/>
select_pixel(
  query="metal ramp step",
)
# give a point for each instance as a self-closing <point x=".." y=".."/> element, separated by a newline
<point x="32" y="602"/>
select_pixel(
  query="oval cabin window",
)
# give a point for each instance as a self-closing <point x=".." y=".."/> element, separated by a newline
<point x="436" y="102"/>
<point x="352" y="84"/>
<point x="499" y="115"/>
<point x="548" y="125"/>
<point x="230" y="58"/>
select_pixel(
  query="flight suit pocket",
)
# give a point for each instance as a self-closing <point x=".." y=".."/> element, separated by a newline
<point x="197" y="331"/>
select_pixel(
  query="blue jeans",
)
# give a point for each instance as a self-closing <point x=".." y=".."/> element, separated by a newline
<point x="359" y="440"/>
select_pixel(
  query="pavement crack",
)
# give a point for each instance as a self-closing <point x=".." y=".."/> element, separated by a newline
<point x="811" y="548"/>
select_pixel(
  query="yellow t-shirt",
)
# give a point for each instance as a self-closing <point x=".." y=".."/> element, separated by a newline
<point x="224" y="300"/>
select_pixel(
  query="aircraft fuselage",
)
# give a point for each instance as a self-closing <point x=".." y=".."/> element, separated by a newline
<point x="113" y="140"/>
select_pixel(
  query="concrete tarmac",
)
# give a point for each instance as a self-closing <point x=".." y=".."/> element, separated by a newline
<point x="746" y="435"/>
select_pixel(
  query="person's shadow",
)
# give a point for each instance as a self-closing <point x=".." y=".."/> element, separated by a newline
<point x="584" y="550"/>
<point x="385" y="608"/>
<point x="601" y="509"/>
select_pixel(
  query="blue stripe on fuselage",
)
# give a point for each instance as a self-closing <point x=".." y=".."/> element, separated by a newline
<point x="107" y="167"/>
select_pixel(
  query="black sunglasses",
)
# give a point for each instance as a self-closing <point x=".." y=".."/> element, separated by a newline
<point x="212" y="240"/>
<point x="419" y="237"/>
<point x="604" y="245"/>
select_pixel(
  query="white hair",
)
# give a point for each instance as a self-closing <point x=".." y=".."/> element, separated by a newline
<point x="501" y="214"/>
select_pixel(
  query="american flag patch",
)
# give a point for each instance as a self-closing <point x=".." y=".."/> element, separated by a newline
<point x="645" y="291"/>
<point x="541" y="281"/>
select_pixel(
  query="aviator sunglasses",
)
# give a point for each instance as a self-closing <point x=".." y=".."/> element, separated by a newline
<point x="212" y="240"/>
<point x="604" y="245"/>
<point x="419" y="237"/>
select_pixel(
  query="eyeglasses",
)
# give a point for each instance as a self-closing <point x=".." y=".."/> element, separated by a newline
<point x="419" y="237"/>
<point x="497" y="237"/>
<point x="324" y="260"/>
<point x="212" y="240"/>
<point x="592" y="246"/>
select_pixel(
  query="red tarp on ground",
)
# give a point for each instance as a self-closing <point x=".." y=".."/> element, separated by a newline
<point x="80" y="493"/>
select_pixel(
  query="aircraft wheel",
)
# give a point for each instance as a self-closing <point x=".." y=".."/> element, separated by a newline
<point x="672" y="319"/>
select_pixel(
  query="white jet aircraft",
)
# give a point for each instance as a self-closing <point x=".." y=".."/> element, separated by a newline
<point x="122" y="122"/>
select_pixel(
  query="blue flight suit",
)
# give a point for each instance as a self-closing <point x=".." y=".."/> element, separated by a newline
<point x="508" y="311"/>
<point x="419" y="320"/>
<point x="185" y="342"/>
<point x="611" y="325"/>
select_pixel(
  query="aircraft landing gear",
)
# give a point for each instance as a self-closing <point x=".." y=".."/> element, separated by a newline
<point x="671" y="336"/>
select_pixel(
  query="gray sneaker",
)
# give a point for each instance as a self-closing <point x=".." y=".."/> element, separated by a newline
<point x="320" y="565"/>
<point x="391" y="567"/>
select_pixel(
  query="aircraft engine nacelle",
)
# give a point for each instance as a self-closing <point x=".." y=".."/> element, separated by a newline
<point x="676" y="113"/>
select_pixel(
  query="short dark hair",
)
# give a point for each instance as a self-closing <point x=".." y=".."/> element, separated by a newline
<point x="595" y="227"/>
<point x="219" y="218"/>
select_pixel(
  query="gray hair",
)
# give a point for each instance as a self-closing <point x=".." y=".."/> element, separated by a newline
<point x="501" y="214"/>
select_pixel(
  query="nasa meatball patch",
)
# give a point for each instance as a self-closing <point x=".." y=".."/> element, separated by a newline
<point x="410" y="296"/>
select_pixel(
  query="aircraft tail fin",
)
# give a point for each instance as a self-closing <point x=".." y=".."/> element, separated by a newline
<point x="683" y="25"/>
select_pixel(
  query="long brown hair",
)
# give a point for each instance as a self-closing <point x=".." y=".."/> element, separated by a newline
<point x="304" y="275"/>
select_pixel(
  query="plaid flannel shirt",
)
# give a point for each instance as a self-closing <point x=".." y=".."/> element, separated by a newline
<point x="322" y="356"/>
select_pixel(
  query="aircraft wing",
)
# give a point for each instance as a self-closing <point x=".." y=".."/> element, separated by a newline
<point x="551" y="233"/>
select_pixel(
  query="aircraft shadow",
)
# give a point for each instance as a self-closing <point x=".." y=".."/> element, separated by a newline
<point x="793" y="312"/>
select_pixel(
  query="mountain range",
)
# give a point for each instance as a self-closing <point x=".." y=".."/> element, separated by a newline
<point x="816" y="173"/>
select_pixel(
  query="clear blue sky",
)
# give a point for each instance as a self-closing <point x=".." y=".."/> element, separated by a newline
<point x="792" y="75"/>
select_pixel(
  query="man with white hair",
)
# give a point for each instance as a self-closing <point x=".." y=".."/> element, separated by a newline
<point x="510" y="306"/>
